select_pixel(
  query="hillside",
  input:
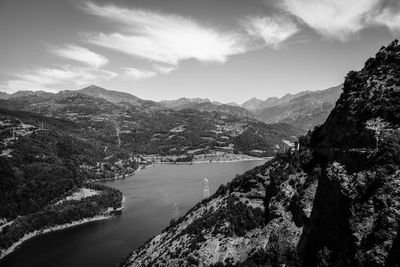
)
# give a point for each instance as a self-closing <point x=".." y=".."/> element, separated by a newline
<point x="152" y="130"/>
<point x="335" y="202"/>
<point x="252" y="104"/>
<point x="304" y="110"/>
<point x="224" y="109"/>
<point x="4" y="95"/>
<point x="62" y="104"/>
<point x="111" y="96"/>
<point x="255" y="105"/>
<point x="44" y="160"/>
<point x="205" y="105"/>
<point x="182" y="103"/>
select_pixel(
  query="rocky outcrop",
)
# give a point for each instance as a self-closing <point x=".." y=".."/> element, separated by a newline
<point x="356" y="216"/>
<point x="335" y="202"/>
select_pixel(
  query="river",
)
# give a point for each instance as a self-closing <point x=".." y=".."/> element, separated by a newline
<point x="153" y="196"/>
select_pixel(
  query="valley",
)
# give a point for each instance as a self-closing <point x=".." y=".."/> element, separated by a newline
<point x="153" y="197"/>
<point x="62" y="152"/>
<point x="56" y="146"/>
<point x="206" y="133"/>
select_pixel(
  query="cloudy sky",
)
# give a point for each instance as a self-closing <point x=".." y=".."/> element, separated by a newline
<point x="225" y="50"/>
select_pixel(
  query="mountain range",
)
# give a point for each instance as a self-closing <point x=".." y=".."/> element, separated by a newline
<point x="333" y="202"/>
<point x="147" y="127"/>
<point x="303" y="110"/>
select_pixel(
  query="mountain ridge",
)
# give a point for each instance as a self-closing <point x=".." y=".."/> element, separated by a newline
<point x="305" y="111"/>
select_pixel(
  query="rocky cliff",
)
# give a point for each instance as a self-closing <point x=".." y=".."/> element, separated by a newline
<point x="335" y="202"/>
<point x="356" y="215"/>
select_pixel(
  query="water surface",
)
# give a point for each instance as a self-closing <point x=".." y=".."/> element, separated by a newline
<point x="153" y="196"/>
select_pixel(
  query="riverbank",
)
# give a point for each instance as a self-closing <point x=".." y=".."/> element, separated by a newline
<point x="106" y="215"/>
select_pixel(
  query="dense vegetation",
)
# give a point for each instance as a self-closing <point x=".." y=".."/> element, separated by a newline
<point x="44" y="165"/>
<point x="58" y="214"/>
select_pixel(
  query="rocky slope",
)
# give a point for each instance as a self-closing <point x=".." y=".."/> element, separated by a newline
<point x="205" y="105"/>
<point x="256" y="105"/>
<point x="335" y="202"/>
<point x="224" y="109"/>
<point x="304" y="110"/>
<point x="252" y="215"/>
<point x="252" y="104"/>
<point x="356" y="215"/>
<point x="183" y="103"/>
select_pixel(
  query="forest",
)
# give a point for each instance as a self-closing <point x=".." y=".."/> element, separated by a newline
<point x="45" y="166"/>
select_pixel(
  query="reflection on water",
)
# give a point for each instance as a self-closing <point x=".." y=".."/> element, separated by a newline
<point x="153" y="197"/>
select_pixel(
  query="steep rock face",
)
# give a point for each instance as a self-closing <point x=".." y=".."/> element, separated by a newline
<point x="259" y="214"/>
<point x="356" y="216"/>
<point x="368" y="94"/>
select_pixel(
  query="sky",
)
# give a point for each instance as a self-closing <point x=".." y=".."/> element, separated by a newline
<point x="224" y="50"/>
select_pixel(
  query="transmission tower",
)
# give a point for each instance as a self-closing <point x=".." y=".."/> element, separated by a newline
<point x="206" y="191"/>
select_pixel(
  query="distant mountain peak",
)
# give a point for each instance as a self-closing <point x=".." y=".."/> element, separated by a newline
<point x="252" y="104"/>
<point x="110" y="95"/>
<point x="234" y="104"/>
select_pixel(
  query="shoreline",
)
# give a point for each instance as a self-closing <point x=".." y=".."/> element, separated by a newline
<point x="117" y="177"/>
<point x="213" y="161"/>
<point x="142" y="167"/>
<point x="108" y="214"/>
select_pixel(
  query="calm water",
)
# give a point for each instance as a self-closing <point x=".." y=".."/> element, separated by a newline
<point x="154" y="196"/>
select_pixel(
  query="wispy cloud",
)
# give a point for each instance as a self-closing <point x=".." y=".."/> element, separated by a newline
<point x="273" y="31"/>
<point x="164" y="69"/>
<point x="389" y="17"/>
<point x="138" y="74"/>
<point x="334" y="19"/>
<point x="164" y="38"/>
<point x="80" y="54"/>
